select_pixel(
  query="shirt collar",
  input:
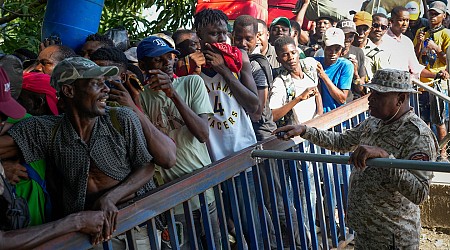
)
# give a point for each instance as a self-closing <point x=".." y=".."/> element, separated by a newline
<point x="391" y="34"/>
<point x="398" y="124"/>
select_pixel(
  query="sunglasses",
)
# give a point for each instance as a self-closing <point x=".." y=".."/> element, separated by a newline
<point x="377" y="25"/>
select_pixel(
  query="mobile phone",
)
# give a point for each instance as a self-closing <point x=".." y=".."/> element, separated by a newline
<point x="135" y="82"/>
<point x="110" y="83"/>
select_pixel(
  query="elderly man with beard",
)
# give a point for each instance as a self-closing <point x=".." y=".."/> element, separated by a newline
<point x="383" y="203"/>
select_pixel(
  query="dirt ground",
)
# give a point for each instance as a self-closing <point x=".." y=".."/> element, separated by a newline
<point x="430" y="239"/>
<point x="434" y="239"/>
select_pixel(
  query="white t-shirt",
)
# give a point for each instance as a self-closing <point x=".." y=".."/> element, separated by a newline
<point x="304" y="110"/>
<point x="230" y="128"/>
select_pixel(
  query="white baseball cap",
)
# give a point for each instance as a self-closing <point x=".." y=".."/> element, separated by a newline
<point x="334" y="36"/>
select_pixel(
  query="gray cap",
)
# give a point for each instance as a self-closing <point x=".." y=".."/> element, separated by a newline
<point x="391" y="80"/>
<point x="438" y="6"/>
<point x="131" y="54"/>
<point x="348" y="26"/>
<point x="73" y="68"/>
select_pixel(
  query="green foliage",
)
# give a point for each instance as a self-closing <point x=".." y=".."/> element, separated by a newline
<point x="25" y="29"/>
<point x="134" y="23"/>
<point x="175" y="14"/>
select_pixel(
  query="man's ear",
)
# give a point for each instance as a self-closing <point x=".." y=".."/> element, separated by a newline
<point x="68" y="90"/>
<point x="278" y="59"/>
<point x="402" y="97"/>
<point x="142" y="66"/>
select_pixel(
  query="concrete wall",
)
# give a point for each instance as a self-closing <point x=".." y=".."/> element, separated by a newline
<point x="435" y="212"/>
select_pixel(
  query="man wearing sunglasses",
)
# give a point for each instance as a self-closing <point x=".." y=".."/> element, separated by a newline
<point x="373" y="49"/>
<point x="363" y="21"/>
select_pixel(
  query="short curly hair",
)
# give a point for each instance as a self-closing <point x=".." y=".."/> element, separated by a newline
<point x="112" y="54"/>
<point x="103" y="39"/>
<point x="209" y="16"/>
<point x="282" y="41"/>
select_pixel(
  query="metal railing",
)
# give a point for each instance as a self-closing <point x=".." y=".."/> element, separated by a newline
<point x="415" y="103"/>
<point x="220" y="175"/>
<point x="311" y="221"/>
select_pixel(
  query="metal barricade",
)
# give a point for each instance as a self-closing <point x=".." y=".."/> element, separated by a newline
<point x="254" y="226"/>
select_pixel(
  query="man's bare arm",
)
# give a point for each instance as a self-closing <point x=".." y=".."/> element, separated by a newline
<point x="8" y="148"/>
<point x="107" y="202"/>
<point x="262" y="97"/>
<point x="283" y="110"/>
<point x="339" y="95"/>
<point x="197" y="124"/>
<point x="89" y="222"/>
<point x="301" y="13"/>
<point x="159" y="145"/>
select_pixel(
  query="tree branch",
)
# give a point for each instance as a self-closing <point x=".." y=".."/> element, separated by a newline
<point x="15" y="14"/>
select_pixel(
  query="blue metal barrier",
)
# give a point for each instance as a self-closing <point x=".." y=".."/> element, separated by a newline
<point x="301" y="220"/>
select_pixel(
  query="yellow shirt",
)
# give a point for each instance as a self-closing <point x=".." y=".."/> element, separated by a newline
<point x="442" y="39"/>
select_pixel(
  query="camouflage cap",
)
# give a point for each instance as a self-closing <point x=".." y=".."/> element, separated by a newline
<point x="391" y="80"/>
<point x="73" y="68"/>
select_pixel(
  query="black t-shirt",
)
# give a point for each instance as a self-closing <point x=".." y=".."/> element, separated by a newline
<point x="359" y="54"/>
<point x="264" y="127"/>
<point x="411" y="31"/>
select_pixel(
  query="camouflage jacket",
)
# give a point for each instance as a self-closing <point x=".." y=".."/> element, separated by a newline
<point x="382" y="201"/>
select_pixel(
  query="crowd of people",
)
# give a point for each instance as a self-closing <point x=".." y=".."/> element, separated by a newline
<point x="83" y="131"/>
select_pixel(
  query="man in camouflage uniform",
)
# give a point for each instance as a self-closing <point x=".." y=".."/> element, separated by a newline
<point x="383" y="202"/>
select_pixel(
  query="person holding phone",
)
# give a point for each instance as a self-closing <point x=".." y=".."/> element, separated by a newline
<point x="180" y="108"/>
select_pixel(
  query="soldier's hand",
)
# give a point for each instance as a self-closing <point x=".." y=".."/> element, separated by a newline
<point x="364" y="152"/>
<point x="289" y="131"/>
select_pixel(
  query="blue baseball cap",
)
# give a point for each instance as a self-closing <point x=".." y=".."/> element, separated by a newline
<point x="153" y="46"/>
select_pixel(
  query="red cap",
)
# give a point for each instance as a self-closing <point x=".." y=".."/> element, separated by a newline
<point x="8" y="105"/>
<point x="38" y="82"/>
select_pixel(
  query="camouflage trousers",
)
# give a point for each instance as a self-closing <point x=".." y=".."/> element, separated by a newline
<point x="367" y="242"/>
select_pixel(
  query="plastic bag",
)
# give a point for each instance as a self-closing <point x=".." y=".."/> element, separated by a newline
<point x="120" y="38"/>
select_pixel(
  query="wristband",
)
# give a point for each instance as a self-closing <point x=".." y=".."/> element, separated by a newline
<point x="304" y="132"/>
<point x="14" y="121"/>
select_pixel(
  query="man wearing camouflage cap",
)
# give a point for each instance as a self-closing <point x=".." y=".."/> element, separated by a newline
<point x="383" y="203"/>
<point x="95" y="165"/>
